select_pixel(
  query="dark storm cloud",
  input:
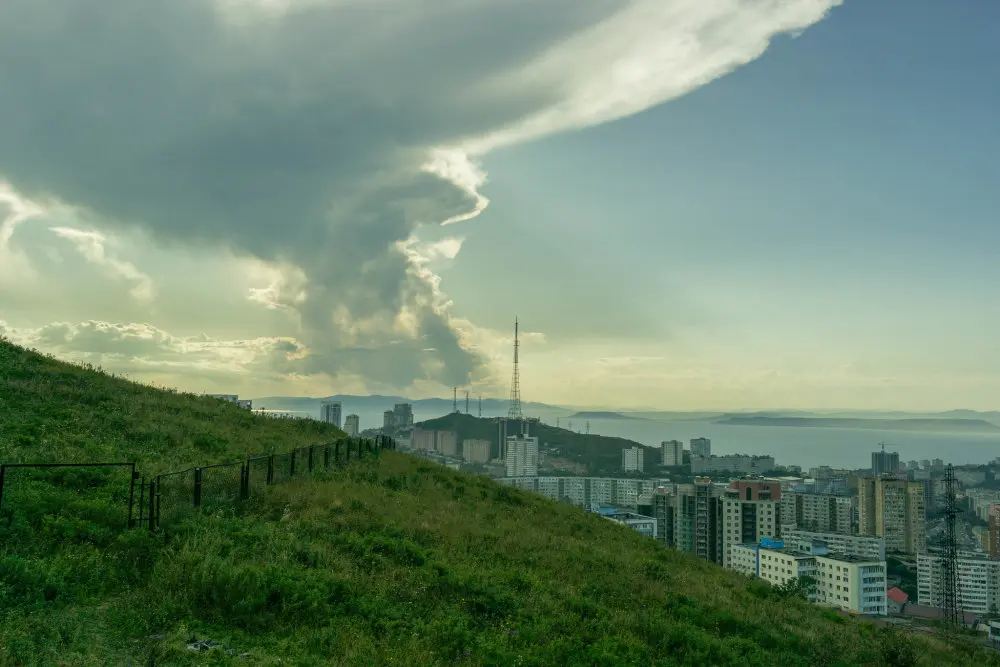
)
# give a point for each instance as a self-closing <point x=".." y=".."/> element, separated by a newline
<point x="295" y="137"/>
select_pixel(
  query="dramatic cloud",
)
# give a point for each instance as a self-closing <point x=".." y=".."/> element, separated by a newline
<point x="318" y="136"/>
<point x="92" y="245"/>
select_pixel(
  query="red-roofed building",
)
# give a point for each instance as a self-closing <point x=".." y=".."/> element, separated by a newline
<point x="896" y="599"/>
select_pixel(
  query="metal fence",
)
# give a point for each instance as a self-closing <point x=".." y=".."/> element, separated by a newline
<point x="169" y="497"/>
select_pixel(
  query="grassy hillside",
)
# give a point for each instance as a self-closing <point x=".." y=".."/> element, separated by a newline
<point x="54" y="411"/>
<point x="385" y="561"/>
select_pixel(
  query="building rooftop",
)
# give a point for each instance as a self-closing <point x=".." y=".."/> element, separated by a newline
<point x="896" y="595"/>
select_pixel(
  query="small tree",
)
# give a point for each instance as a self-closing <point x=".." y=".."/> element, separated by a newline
<point x="803" y="588"/>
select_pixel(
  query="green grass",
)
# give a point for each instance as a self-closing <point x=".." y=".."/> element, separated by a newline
<point x="384" y="561"/>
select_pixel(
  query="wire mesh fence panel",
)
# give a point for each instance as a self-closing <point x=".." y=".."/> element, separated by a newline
<point x="174" y="496"/>
<point x="221" y="486"/>
<point x="90" y="501"/>
<point x="282" y="468"/>
<point x="257" y="475"/>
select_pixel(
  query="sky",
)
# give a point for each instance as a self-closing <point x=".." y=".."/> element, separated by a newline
<point x="711" y="204"/>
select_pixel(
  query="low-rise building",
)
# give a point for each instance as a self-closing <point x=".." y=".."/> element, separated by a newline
<point x="849" y="583"/>
<point x="862" y="546"/>
<point x="588" y="491"/>
<point x="896" y="600"/>
<point x="644" y="525"/>
<point x="742" y="464"/>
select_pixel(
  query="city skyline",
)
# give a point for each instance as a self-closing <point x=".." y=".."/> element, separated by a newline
<point x="688" y="205"/>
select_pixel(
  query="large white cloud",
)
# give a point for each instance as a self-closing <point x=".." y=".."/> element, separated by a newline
<point x="319" y="135"/>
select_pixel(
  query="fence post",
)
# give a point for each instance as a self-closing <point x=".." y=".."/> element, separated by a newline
<point x="142" y="500"/>
<point x="245" y="480"/>
<point x="197" y="487"/>
<point x="291" y="467"/>
<point x="270" y="470"/>
<point x="154" y="520"/>
<point x="131" y="496"/>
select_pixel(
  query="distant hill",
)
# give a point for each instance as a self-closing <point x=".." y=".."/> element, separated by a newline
<point x="601" y="454"/>
<point x="935" y="425"/>
<point x="601" y="415"/>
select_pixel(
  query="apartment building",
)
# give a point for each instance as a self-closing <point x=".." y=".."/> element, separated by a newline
<point x="861" y="546"/>
<point x="663" y="506"/>
<point x="632" y="459"/>
<point x="476" y="451"/>
<point x="521" y="456"/>
<point x="672" y="452"/>
<point x="850" y="583"/>
<point x="742" y="464"/>
<point x="894" y="509"/>
<point x="751" y="511"/>
<point x="352" y="425"/>
<point x="816" y="512"/>
<point x="977" y="582"/>
<point x="644" y="525"/>
<point x="589" y="491"/>
<point x="698" y="522"/>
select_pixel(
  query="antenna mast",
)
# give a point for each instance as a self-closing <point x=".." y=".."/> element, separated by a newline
<point x="454" y="399"/>
<point x="480" y="406"/>
<point x="466" y="402"/>
<point x="514" y="412"/>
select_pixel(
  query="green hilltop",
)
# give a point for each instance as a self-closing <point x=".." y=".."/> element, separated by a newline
<point x="385" y="561"/>
<point x="602" y="455"/>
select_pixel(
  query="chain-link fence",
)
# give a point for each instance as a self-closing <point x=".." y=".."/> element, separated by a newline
<point x="29" y="489"/>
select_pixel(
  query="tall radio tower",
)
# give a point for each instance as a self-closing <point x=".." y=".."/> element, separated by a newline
<point x="514" y="412"/>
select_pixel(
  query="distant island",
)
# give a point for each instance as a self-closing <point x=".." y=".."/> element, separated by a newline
<point x="939" y="425"/>
<point x="601" y="415"/>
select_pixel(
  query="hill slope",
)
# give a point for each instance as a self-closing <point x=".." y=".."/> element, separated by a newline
<point x="601" y="454"/>
<point x="387" y="561"/>
<point x="53" y="411"/>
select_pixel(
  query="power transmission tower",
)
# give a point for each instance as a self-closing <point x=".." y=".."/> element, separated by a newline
<point x="480" y="407"/>
<point x="454" y="400"/>
<point x="514" y="412"/>
<point x="950" y="565"/>
<point x="466" y="402"/>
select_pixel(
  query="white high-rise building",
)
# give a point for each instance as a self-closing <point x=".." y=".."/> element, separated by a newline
<point x="330" y="412"/>
<point x="352" y="425"/>
<point x="977" y="582"/>
<point x="673" y="452"/>
<point x="701" y="447"/>
<point x="632" y="459"/>
<point x="521" y="456"/>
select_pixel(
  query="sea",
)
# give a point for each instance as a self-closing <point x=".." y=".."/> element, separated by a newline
<point x="809" y="446"/>
<point x="789" y="445"/>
